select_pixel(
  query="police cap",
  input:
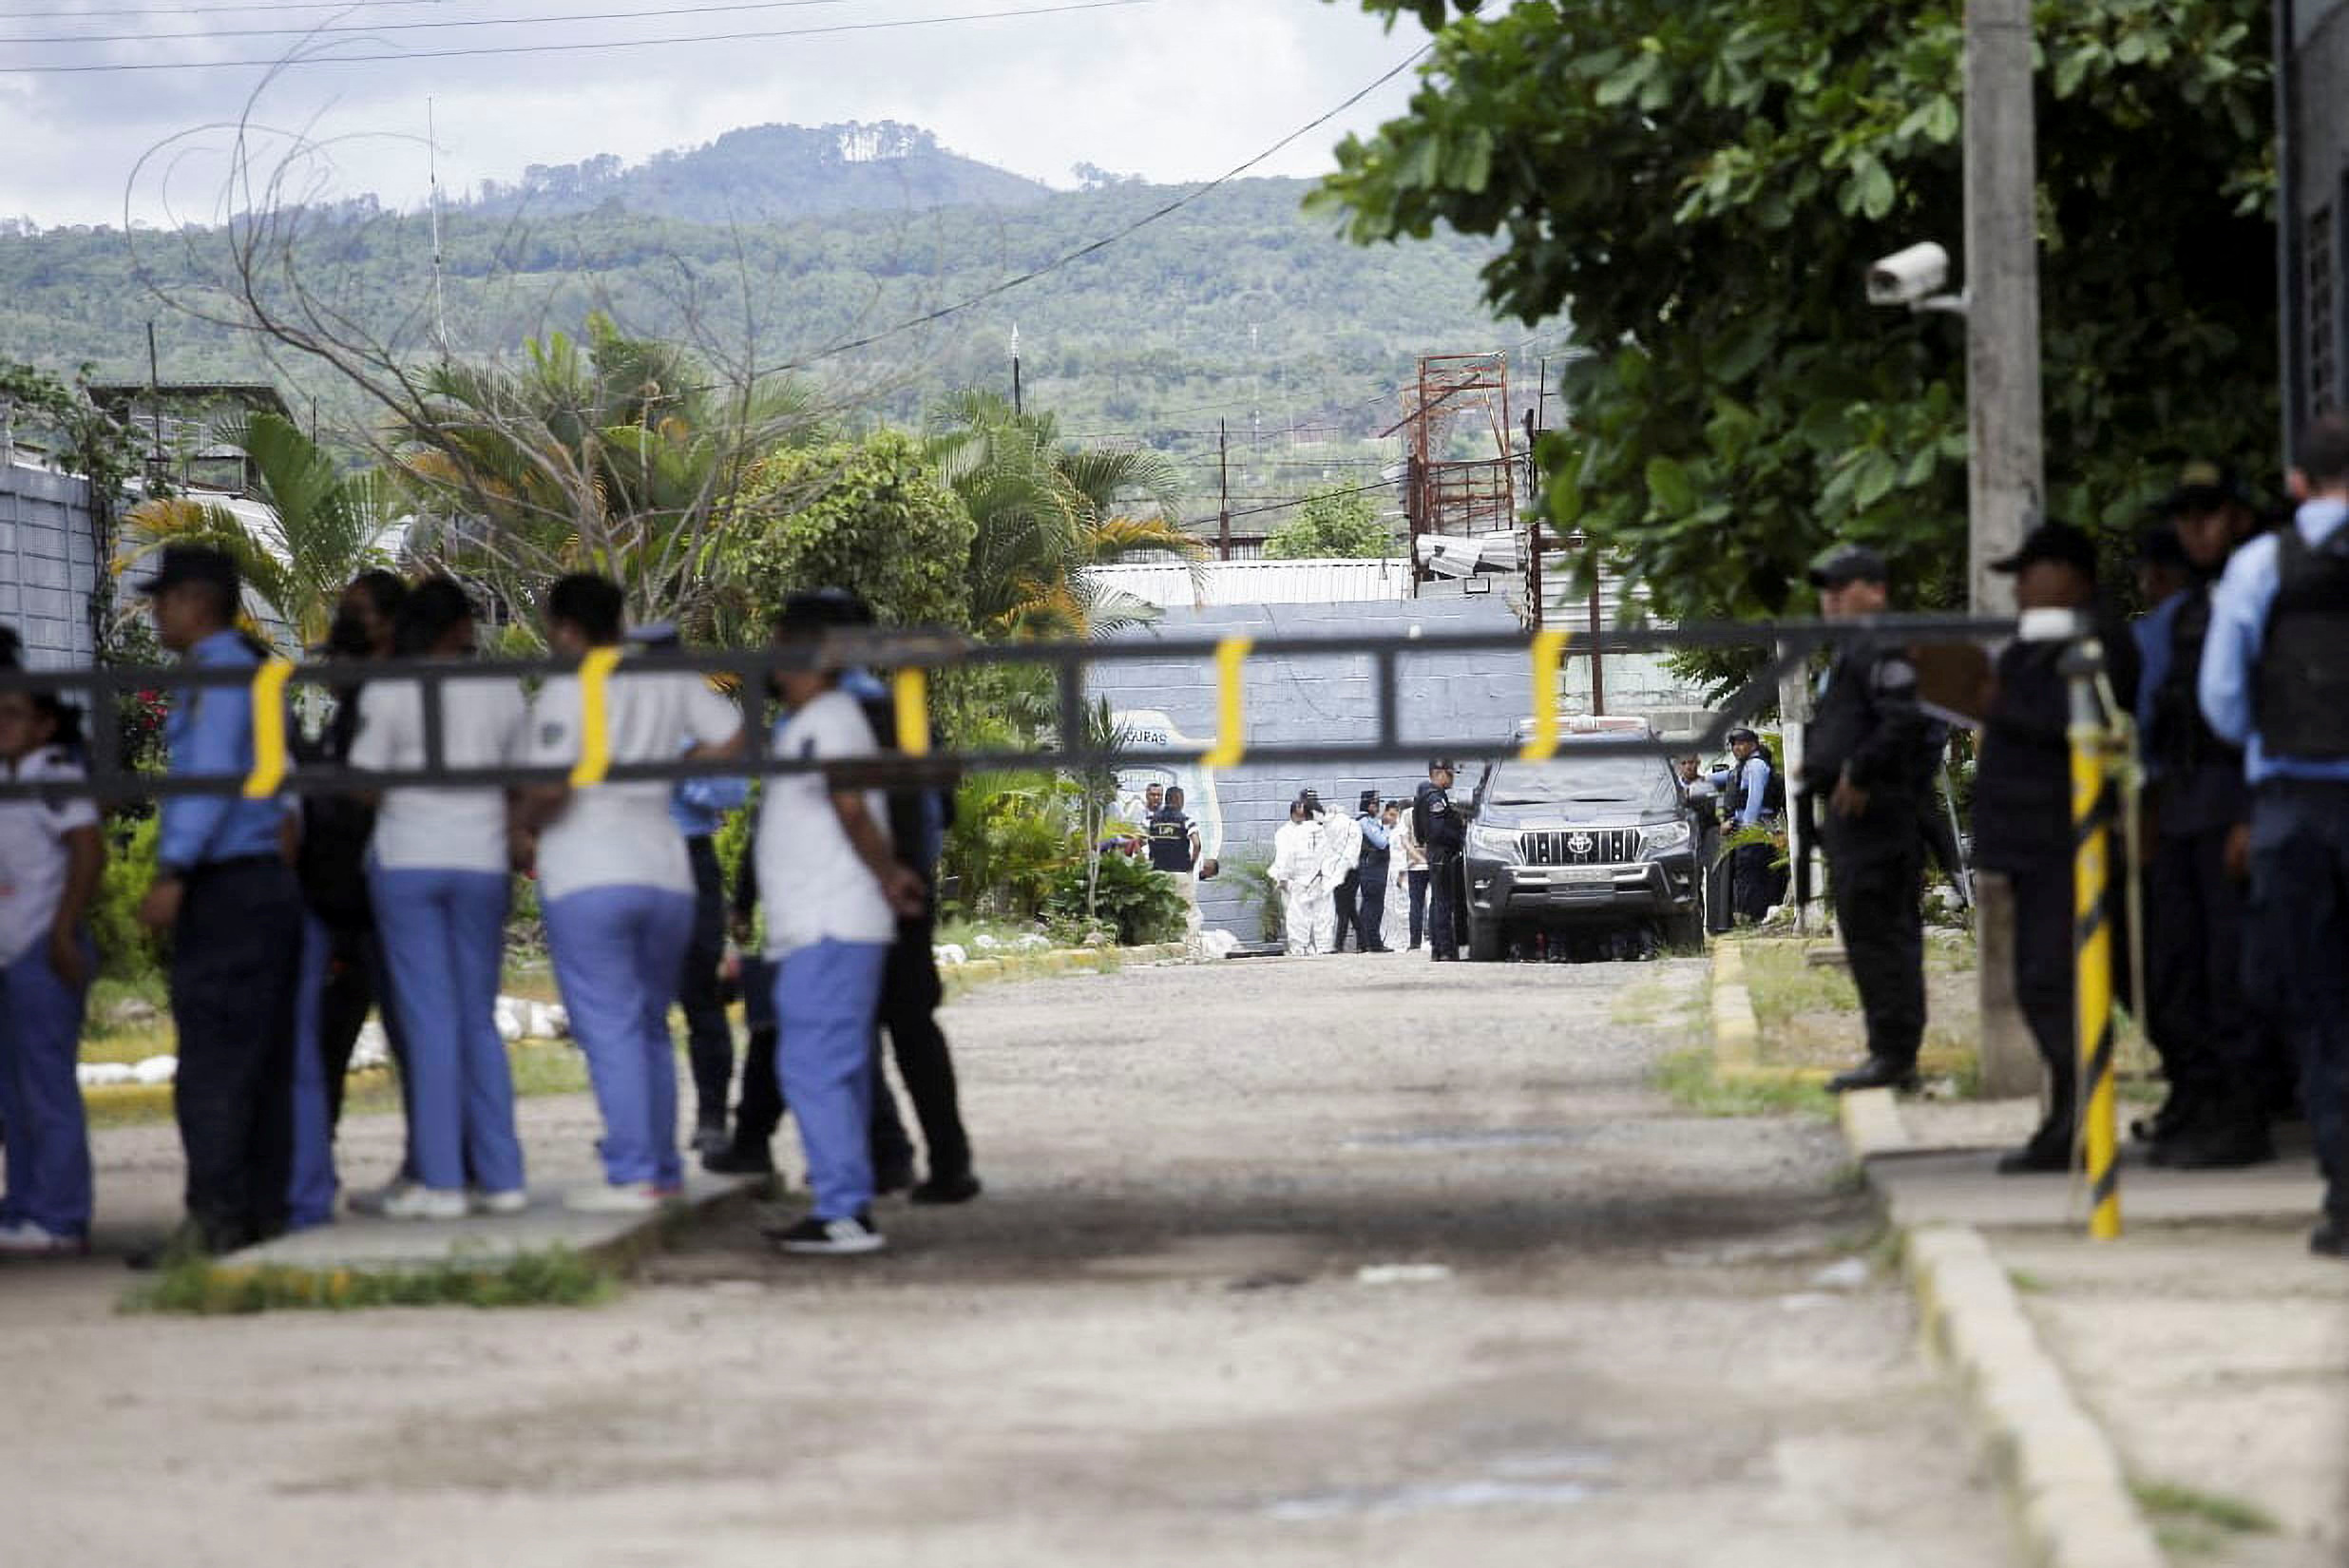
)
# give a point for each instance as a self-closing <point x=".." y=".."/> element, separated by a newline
<point x="1844" y="564"/>
<point x="179" y="564"/>
<point x="2204" y="487"/>
<point x="811" y="612"/>
<point x="2059" y="543"/>
<point x="1446" y="766"/>
<point x="1741" y="733"/>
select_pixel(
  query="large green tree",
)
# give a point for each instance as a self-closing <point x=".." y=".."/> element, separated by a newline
<point x="1702" y="184"/>
<point x="1337" y="523"/>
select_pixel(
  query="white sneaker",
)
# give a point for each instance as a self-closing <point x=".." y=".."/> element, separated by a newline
<point x="513" y="1200"/>
<point x="26" y="1240"/>
<point x="616" y="1198"/>
<point x="417" y="1201"/>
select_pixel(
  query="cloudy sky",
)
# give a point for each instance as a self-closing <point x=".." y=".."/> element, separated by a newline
<point x="1172" y="90"/>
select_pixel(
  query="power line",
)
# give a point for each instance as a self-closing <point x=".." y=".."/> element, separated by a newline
<point x="329" y="57"/>
<point x="49" y="12"/>
<point x="999" y="289"/>
<point x="419" y="26"/>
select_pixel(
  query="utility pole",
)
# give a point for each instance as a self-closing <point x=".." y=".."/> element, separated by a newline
<point x="1018" y="405"/>
<point x="1223" y="488"/>
<point x="2005" y="474"/>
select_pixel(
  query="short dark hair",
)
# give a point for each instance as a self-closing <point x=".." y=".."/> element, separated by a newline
<point x="385" y="590"/>
<point x="809" y="613"/>
<point x="594" y="605"/>
<point x="11" y="648"/>
<point x="426" y="613"/>
<point x="1174" y="790"/>
<point x="2324" y="450"/>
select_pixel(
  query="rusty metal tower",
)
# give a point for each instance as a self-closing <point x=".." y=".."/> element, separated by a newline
<point x="1459" y="457"/>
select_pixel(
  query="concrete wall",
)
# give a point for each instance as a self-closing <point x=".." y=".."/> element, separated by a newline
<point x="1332" y="699"/>
<point x="48" y="564"/>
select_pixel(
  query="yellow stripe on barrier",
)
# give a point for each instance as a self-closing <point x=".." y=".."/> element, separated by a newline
<point x="595" y="730"/>
<point x="1549" y="653"/>
<point x="913" y="726"/>
<point x="268" y="729"/>
<point x="1231" y="703"/>
<point x="2093" y="941"/>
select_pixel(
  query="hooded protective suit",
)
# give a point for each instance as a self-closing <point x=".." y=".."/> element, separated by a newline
<point x="1308" y="918"/>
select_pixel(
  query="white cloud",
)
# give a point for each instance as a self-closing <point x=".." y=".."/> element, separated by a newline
<point x="1172" y="90"/>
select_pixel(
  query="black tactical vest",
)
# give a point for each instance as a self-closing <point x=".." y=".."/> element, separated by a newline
<point x="2177" y="736"/>
<point x="2303" y="678"/>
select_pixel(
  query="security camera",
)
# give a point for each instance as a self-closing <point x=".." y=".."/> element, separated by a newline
<point x="1909" y="278"/>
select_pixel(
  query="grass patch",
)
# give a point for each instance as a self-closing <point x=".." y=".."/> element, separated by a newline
<point x="1691" y="1079"/>
<point x="2171" y="1504"/>
<point x="201" y="1287"/>
<point x="1641" y="1005"/>
<point x="1784" y="984"/>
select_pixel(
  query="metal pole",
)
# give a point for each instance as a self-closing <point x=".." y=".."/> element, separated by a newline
<point x="2092" y="935"/>
<point x="1223" y="487"/>
<point x="155" y="401"/>
<point x="2003" y="410"/>
<point x="1598" y="659"/>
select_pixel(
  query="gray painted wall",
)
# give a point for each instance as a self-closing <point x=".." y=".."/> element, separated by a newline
<point x="48" y="564"/>
<point x="1334" y="699"/>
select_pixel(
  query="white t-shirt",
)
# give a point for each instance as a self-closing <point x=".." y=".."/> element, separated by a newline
<point x="454" y="830"/>
<point x="621" y="835"/>
<point x="32" y="849"/>
<point x="813" y="883"/>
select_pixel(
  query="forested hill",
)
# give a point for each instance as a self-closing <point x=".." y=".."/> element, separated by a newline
<point x="767" y="173"/>
<point x="1235" y="303"/>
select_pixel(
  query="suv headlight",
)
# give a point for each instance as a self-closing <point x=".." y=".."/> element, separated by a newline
<point x="1494" y="844"/>
<point x="1667" y="836"/>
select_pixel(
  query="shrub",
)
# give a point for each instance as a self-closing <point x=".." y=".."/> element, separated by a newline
<point x="126" y="950"/>
<point x="1140" y="904"/>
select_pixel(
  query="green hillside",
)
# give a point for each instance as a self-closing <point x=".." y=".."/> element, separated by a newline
<point x="1150" y="337"/>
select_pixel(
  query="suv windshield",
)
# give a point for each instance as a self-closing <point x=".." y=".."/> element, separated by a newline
<point x="1642" y="782"/>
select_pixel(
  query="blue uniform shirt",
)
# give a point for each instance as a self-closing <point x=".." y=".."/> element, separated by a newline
<point x="1754" y="778"/>
<point x="210" y="733"/>
<point x="2239" y="607"/>
<point x="1375" y="831"/>
<point x="2152" y="632"/>
<point x="699" y="806"/>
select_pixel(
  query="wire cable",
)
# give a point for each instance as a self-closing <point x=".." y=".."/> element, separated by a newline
<point x="663" y="13"/>
<point x="331" y="57"/>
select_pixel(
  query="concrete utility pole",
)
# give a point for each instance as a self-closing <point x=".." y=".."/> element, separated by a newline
<point x="2006" y="477"/>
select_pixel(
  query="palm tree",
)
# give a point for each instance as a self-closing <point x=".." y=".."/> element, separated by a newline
<point x="618" y="455"/>
<point x="1046" y="512"/>
<point x="325" y="525"/>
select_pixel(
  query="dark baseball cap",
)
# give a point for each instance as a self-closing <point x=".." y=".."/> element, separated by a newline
<point x="2056" y="541"/>
<point x="1743" y="733"/>
<point x="1448" y="767"/>
<point x="1369" y="802"/>
<point x="1844" y="564"/>
<point x="813" y="611"/>
<point x="2204" y="488"/>
<point x="178" y="563"/>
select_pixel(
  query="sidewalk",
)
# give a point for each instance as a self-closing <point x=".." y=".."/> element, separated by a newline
<point x="2208" y="1345"/>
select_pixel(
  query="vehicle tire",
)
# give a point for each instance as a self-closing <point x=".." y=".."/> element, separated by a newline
<point x="1685" y="934"/>
<point x="1485" y="940"/>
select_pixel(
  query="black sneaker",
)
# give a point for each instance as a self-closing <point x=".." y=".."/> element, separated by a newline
<point x="1877" y="1072"/>
<point x="734" y="1159"/>
<point x="2040" y="1156"/>
<point x="2330" y="1238"/>
<point x="710" y="1137"/>
<point x="814" y="1237"/>
<point x="955" y="1189"/>
<point x="891" y="1178"/>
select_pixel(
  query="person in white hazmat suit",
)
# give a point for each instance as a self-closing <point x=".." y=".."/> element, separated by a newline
<point x="1341" y="858"/>
<point x="1308" y="912"/>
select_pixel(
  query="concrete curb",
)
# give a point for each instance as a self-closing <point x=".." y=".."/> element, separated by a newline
<point x="2070" y="1497"/>
<point x="1056" y="960"/>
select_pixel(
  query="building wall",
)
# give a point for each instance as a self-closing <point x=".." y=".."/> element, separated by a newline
<point x="48" y="564"/>
<point x="2318" y="81"/>
<point x="1330" y="698"/>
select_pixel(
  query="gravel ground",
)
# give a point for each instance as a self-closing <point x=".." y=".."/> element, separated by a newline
<point x="1327" y="1261"/>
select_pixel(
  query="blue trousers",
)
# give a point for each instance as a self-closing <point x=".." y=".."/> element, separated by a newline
<point x="618" y="952"/>
<point x="826" y="999"/>
<point x="443" y="938"/>
<point x="310" y="1193"/>
<point x="40" y="1099"/>
<point x="2297" y="925"/>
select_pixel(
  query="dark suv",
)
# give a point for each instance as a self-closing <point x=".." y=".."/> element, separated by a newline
<point x="1591" y="841"/>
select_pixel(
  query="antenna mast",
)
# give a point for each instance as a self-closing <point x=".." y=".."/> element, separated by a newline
<point x="431" y="153"/>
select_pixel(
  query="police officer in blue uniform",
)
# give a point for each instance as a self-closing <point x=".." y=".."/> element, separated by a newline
<point x="2275" y="680"/>
<point x="1437" y="824"/>
<point x="225" y="887"/>
<point x="2212" y="1048"/>
<point x="1866" y="757"/>
<point x="1370" y="882"/>
<point x="1753" y="803"/>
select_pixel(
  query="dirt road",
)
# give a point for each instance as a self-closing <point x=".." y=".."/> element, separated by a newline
<point x="1349" y="1260"/>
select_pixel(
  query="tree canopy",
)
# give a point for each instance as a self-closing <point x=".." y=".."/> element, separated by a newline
<point x="1702" y="184"/>
<point x="1336" y="523"/>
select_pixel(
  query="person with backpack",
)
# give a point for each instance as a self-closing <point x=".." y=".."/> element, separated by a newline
<point x="1370" y="879"/>
<point x="1757" y="801"/>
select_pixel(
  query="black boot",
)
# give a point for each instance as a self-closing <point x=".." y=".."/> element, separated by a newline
<point x="2331" y="1236"/>
<point x="2224" y="1138"/>
<point x="1876" y="1072"/>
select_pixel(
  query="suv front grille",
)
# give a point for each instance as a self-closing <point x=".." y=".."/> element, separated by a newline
<point x="1581" y="846"/>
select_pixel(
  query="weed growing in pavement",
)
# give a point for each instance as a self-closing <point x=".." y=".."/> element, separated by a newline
<point x="2026" y="1283"/>
<point x="1689" y="1077"/>
<point x="1784" y="983"/>
<point x="2190" y="1523"/>
<point x="203" y="1288"/>
<point x="1640" y="1005"/>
